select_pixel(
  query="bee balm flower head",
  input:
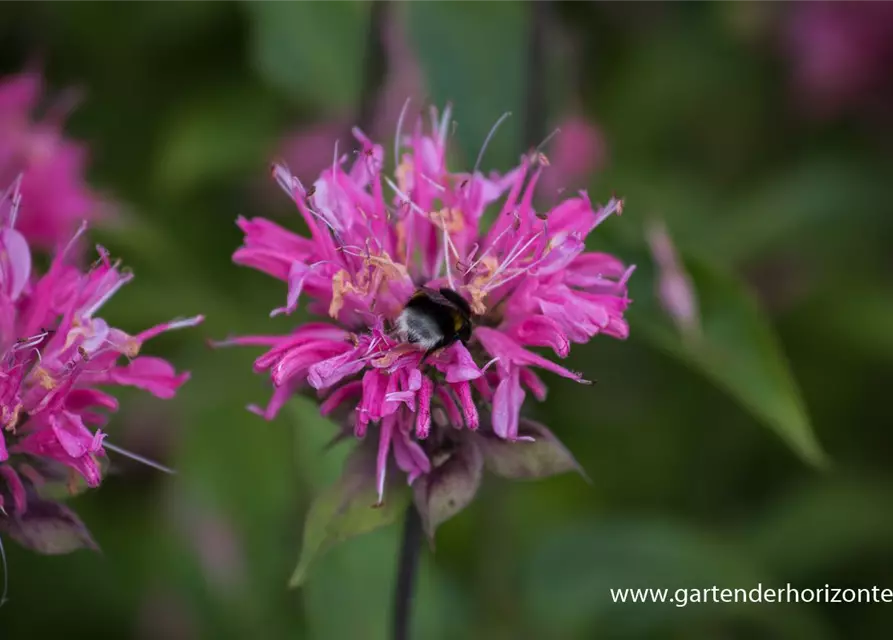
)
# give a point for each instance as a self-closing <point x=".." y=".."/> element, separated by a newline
<point x="56" y="353"/>
<point x="374" y="241"/>
<point x="55" y="197"/>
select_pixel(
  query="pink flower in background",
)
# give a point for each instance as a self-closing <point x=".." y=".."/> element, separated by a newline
<point x="578" y="150"/>
<point x="437" y="414"/>
<point x="55" y="198"/>
<point x="675" y="291"/>
<point x="308" y="150"/>
<point x="841" y="53"/>
<point x="57" y="354"/>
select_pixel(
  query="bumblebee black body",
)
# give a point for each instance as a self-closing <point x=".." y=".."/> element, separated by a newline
<point x="435" y="319"/>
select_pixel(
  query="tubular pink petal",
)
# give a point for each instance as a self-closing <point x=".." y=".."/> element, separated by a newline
<point x="332" y="370"/>
<point x="339" y="396"/>
<point x="381" y="461"/>
<point x="462" y="366"/>
<point x="410" y="457"/>
<point x="423" y="417"/>
<point x="297" y="274"/>
<point x="151" y="374"/>
<point x="500" y="345"/>
<point x="15" y="262"/>
<point x="173" y="325"/>
<point x="507" y="403"/>
<point x="469" y="410"/>
<point x="542" y="331"/>
<point x="534" y="383"/>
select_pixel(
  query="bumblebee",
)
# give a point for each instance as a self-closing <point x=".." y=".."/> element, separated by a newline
<point x="435" y="319"/>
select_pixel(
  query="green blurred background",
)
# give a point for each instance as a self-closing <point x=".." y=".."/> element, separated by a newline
<point x="764" y="187"/>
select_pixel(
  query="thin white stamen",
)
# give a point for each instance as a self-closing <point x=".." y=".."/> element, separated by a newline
<point x="15" y="196"/>
<point x="399" y="135"/>
<point x="410" y="228"/>
<point x="5" y="572"/>
<point x="614" y="206"/>
<point x="439" y="187"/>
<point x="124" y="279"/>
<point x="495" y="285"/>
<point x="489" y="364"/>
<point x="185" y="322"/>
<point x="477" y="163"/>
<point x="626" y="275"/>
<point x="139" y="458"/>
<point x="14" y="207"/>
<point x="13" y="187"/>
<point x="30" y="342"/>
<point x="472" y="251"/>
<point x="447" y="113"/>
<point x="446" y="254"/>
<point x="287" y="180"/>
<point x="489" y="249"/>
<point x="406" y="199"/>
<point x="319" y="215"/>
<point x="77" y="234"/>
<point x="546" y="141"/>
<point x="514" y="255"/>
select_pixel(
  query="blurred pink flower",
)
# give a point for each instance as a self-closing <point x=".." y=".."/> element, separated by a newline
<point x="56" y="355"/>
<point x="675" y="291"/>
<point x="577" y="151"/>
<point x="308" y="150"/>
<point x="526" y="279"/>
<point x="841" y="52"/>
<point x="55" y="198"/>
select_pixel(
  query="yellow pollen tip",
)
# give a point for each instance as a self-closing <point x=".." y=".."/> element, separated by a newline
<point x="449" y="218"/>
<point x="44" y="378"/>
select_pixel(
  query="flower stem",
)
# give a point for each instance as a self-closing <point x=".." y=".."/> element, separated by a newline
<point x="374" y="64"/>
<point x="406" y="572"/>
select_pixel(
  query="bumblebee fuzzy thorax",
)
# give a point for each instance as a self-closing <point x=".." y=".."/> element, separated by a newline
<point x="435" y="319"/>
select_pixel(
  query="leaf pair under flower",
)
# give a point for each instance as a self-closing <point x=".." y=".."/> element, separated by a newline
<point x="349" y="508"/>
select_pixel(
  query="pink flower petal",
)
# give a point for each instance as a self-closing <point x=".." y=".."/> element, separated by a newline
<point x="507" y="403"/>
<point x="155" y="375"/>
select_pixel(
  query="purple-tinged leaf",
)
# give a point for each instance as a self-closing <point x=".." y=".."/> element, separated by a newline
<point x="451" y="485"/>
<point x="522" y="459"/>
<point x="49" y="528"/>
<point x="348" y="508"/>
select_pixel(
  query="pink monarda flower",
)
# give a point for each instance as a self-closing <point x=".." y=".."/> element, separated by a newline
<point x="437" y="416"/>
<point x="673" y="287"/>
<point x="55" y="197"/>
<point x="56" y="355"/>
<point x="841" y="53"/>
<point x="578" y="151"/>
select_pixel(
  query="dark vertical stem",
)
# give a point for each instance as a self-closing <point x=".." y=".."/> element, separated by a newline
<point x="535" y="103"/>
<point x="374" y="63"/>
<point x="410" y="546"/>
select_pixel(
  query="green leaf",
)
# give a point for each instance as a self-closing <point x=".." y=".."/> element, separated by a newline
<point x="450" y="487"/>
<point x="816" y="529"/>
<point x="568" y="578"/>
<point x="217" y="135"/>
<point x="311" y="50"/>
<point x="49" y="528"/>
<point x="348" y="508"/>
<point x="474" y="55"/>
<point x="543" y="457"/>
<point x="820" y="191"/>
<point x="738" y="350"/>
